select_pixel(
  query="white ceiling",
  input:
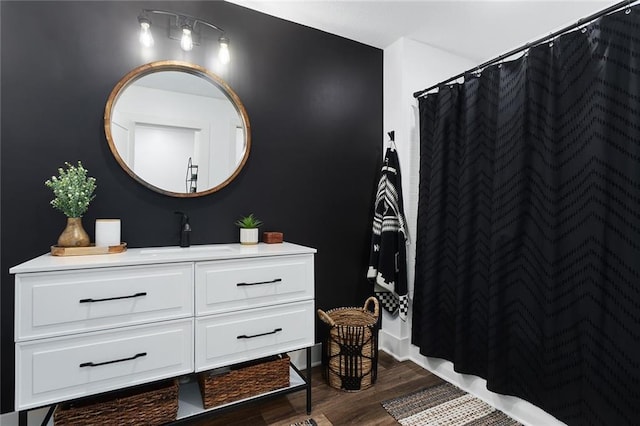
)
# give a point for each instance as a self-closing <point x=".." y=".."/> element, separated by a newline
<point x="475" y="29"/>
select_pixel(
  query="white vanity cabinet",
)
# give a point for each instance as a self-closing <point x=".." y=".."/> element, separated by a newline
<point x="59" y="303"/>
<point x="90" y="324"/>
<point x="59" y="369"/>
<point x="250" y="308"/>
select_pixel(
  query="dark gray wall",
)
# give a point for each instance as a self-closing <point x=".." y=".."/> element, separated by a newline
<point x="315" y="105"/>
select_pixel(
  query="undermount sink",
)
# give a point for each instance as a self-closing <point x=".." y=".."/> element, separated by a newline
<point x="185" y="250"/>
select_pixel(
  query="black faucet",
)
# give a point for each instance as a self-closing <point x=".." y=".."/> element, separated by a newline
<point x="185" y="230"/>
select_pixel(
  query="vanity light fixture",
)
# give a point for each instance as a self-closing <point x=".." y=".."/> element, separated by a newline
<point x="223" y="53"/>
<point x="185" y="28"/>
<point x="145" y="32"/>
<point x="186" y="41"/>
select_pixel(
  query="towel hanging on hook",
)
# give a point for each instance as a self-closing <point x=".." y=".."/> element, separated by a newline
<point x="388" y="258"/>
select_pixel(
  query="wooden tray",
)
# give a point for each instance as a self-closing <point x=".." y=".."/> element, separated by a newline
<point x="83" y="251"/>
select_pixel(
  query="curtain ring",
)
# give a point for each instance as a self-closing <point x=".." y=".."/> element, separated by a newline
<point x="628" y="9"/>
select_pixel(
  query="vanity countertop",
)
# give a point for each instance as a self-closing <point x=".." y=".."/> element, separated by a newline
<point x="151" y="255"/>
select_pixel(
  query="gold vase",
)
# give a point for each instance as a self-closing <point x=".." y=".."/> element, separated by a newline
<point x="74" y="234"/>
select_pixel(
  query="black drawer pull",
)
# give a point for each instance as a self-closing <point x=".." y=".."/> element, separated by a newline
<point x="144" y="293"/>
<point x="277" y="280"/>
<point x="244" y="336"/>
<point x="97" y="364"/>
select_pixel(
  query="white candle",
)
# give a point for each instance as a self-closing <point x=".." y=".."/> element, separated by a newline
<point x="107" y="232"/>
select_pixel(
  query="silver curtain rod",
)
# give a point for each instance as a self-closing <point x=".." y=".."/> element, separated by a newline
<point x="592" y="17"/>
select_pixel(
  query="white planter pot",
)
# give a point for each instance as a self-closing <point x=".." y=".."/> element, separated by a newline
<point x="248" y="235"/>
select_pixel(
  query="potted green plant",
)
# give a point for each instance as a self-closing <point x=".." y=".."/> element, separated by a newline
<point x="73" y="191"/>
<point x="249" y="229"/>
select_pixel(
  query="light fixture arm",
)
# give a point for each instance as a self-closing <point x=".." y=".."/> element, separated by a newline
<point x="181" y="17"/>
<point x="200" y="21"/>
<point x="184" y="30"/>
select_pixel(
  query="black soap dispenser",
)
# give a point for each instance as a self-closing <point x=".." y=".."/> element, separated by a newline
<point x="185" y="230"/>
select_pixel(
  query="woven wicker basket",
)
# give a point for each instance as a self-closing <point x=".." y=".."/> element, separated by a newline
<point x="351" y="350"/>
<point x="153" y="404"/>
<point x="244" y="380"/>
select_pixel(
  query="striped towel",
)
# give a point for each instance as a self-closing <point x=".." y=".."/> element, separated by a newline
<point x="388" y="256"/>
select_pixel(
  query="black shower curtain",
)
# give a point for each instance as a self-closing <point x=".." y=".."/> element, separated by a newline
<point x="528" y="242"/>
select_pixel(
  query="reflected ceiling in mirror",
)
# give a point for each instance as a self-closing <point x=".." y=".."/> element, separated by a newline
<point x="177" y="128"/>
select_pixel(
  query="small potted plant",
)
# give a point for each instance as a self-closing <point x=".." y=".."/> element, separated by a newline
<point x="73" y="191"/>
<point x="249" y="229"/>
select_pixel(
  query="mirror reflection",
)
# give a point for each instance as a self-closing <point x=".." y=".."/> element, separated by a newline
<point x="177" y="128"/>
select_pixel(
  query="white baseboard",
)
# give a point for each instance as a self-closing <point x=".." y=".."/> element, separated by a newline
<point x="395" y="346"/>
<point x="35" y="418"/>
<point x="517" y="408"/>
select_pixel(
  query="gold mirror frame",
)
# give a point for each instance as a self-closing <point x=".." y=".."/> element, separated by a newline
<point x="192" y="69"/>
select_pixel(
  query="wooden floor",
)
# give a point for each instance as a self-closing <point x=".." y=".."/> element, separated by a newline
<point x="331" y="406"/>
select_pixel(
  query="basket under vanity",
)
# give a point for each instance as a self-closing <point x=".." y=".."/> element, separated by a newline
<point x="86" y="325"/>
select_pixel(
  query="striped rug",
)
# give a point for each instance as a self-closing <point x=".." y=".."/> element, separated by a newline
<point x="307" y="422"/>
<point x="444" y="405"/>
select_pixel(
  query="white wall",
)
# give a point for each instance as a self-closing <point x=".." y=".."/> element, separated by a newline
<point x="410" y="66"/>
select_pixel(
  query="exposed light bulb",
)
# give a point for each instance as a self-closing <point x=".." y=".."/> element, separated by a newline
<point x="146" y="39"/>
<point x="223" y="53"/>
<point x="186" y="42"/>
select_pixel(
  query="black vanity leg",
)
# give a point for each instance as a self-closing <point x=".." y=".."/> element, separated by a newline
<point x="22" y="418"/>
<point x="309" y="380"/>
<point x="46" y="419"/>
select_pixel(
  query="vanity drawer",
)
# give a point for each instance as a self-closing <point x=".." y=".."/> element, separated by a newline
<point x="57" y="369"/>
<point x="231" y="338"/>
<point x="223" y="286"/>
<point x="55" y="303"/>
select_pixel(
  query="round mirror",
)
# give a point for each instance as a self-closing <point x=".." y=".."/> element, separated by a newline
<point x="177" y="128"/>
